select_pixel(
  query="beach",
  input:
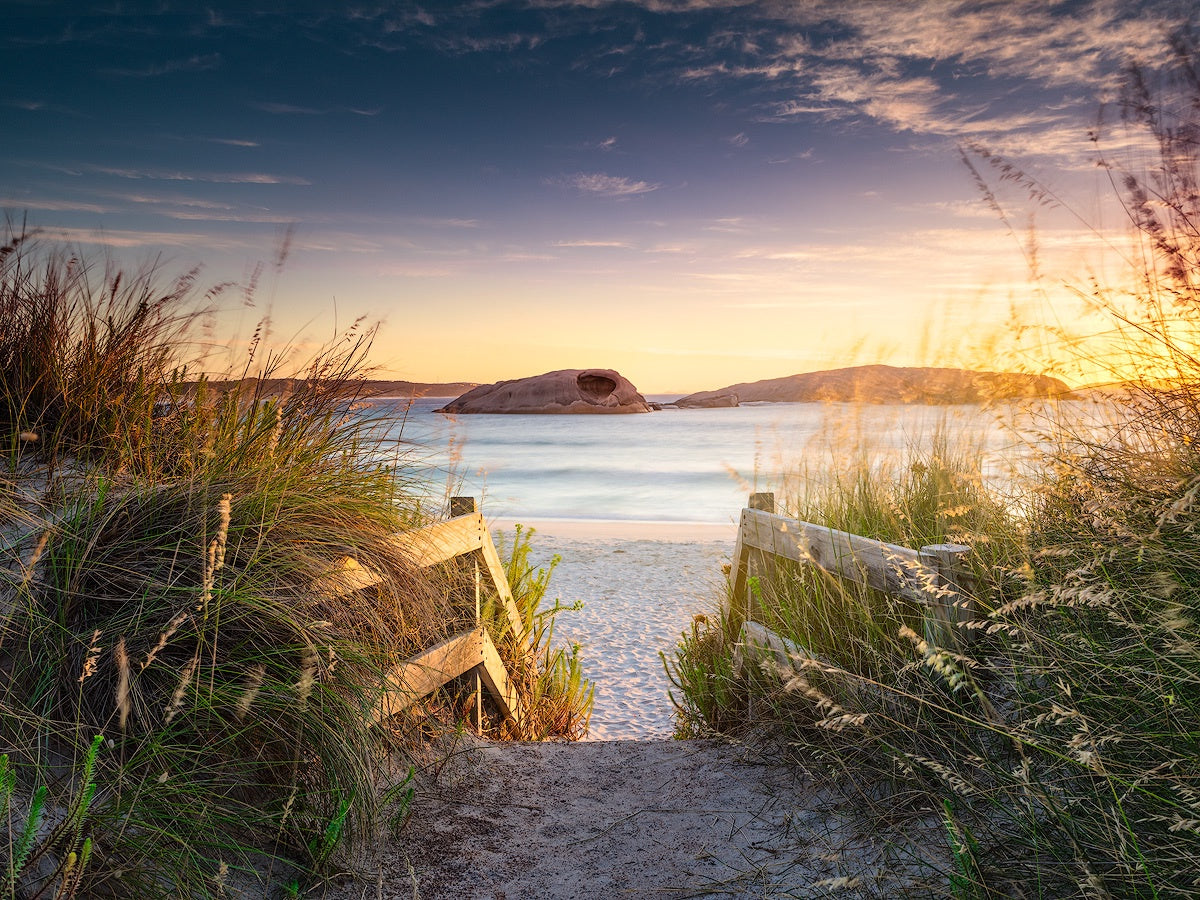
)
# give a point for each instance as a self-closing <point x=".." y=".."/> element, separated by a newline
<point x="641" y="584"/>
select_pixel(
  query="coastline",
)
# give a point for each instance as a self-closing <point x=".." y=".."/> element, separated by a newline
<point x="622" y="530"/>
<point x="641" y="584"/>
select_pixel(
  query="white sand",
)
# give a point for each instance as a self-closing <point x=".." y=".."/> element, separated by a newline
<point x="635" y="819"/>
<point x="641" y="584"/>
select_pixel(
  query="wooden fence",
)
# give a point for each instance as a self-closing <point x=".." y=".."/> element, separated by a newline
<point x="936" y="577"/>
<point x="465" y="534"/>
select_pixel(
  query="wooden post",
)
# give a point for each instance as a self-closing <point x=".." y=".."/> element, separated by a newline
<point x="764" y="500"/>
<point x="463" y="506"/>
<point x="951" y="598"/>
<point x="466" y="506"/>
<point x="478" y="678"/>
<point x="741" y="602"/>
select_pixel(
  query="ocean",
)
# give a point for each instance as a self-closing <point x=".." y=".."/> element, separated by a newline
<point x="611" y="478"/>
<point x="670" y="466"/>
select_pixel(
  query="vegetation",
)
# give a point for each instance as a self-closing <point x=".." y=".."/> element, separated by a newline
<point x="1061" y="748"/>
<point x="188" y="685"/>
<point x="551" y="676"/>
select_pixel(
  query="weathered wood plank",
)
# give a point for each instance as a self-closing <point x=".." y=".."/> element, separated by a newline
<point x="950" y="594"/>
<point x="463" y="506"/>
<point x="743" y="604"/>
<point x="495" y="568"/>
<point x="347" y="577"/>
<point x="427" y="671"/>
<point x="877" y="564"/>
<point x="424" y="673"/>
<point x="495" y="679"/>
<point x="757" y="641"/>
<point x="442" y="541"/>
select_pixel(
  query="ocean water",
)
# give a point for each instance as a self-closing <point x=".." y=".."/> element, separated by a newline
<point x="669" y="466"/>
<point x="675" y="467"/>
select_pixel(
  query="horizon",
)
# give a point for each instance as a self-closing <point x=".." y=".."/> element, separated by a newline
<point x="695" y="193"/>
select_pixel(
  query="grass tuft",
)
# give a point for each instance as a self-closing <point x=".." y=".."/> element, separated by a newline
<point x="1060" y="749"/>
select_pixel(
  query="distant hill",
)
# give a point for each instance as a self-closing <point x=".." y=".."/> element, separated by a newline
<point x="418" y="388"/>
<point x="371" y="388"/>
<point x="884" y="384"/>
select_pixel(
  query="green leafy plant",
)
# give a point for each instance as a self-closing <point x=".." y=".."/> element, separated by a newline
<point x="67" y="846"/>
<point x="559" y="698"/>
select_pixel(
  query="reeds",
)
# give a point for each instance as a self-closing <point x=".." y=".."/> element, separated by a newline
<point x="170" y="550"/>
<point x="1060" y="753"/>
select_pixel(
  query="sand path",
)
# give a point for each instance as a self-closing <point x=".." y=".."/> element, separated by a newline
<point x="621" y="819"/>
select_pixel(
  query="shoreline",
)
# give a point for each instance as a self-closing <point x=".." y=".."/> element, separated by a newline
<point x="622" y="529"/>
<point x="640" y="584"/>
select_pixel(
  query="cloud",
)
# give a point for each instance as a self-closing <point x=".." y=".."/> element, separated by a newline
<point x="453" y="223"/>
<point x="258" y="218"/>
<point x="739" y="139"/>
<point x="286" y="109"/>
<point x="234" y="142"/>
<point x="195" y="63"/>
<point x="54" y="205"/>
<point x="602" y="185"/>
<point x="164" y="200"/>
<point x="295" y="109"/>
<point x="206" y="177"/>
<point x="133" y="239"/>
<point x="622" y="245"/>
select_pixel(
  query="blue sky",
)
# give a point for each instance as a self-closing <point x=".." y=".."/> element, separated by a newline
<point x="695" y="192"/>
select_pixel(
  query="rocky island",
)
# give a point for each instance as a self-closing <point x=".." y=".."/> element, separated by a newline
<point x="572" y="391"/>
<point x="883" y="384"/>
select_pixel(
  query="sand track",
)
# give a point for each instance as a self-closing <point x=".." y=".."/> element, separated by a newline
<point x="621" y="819"/>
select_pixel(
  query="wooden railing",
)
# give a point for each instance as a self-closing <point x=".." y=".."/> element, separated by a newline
<point x="935" y="577"/>
<point x="464" y="535"/>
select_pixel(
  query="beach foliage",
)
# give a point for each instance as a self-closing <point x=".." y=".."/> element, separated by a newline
<point x="1058" y="744"/>
<point x="559" y="699"/>
<point x="189" y="683"/>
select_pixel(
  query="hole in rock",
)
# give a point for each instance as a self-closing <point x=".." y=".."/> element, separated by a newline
<point x="595" y="386"/>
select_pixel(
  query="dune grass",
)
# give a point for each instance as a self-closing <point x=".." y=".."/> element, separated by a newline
<point x="185" y="708"/>
<point x="1060" y="749"/>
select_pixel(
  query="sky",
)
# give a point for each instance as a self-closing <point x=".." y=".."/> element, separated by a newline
<point x="693" y="192"/>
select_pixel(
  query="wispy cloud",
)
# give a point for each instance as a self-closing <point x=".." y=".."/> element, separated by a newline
<point x="207" y="177"/>
<point x="286" y="109"/>
<point x="599" y="184"/>
<point x="622" y="245"/>
<point x="54" y="205"/>
<point x="201" y="216"/>
<point x="195" y="63"/>
<point x="126" y="239"/>
<point x="296" y="109"/>
<point x="453" y="223"/>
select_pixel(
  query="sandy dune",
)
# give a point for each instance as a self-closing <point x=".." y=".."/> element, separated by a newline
<point x="623" y="819"/>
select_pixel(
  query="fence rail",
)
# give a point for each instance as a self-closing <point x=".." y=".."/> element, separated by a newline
<point x="936" y="576"/>
<point x="464" y="535"/>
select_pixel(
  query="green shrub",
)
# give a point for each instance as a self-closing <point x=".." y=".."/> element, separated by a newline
<point x="1063" y="748"/>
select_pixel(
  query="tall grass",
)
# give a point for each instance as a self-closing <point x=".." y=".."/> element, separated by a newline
<point x="1061" y="750"/>
<point x="187" y="692"/>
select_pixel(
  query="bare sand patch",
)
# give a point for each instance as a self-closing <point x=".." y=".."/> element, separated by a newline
<point x="625" y="530"/>
<point x="632" y="819"/>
